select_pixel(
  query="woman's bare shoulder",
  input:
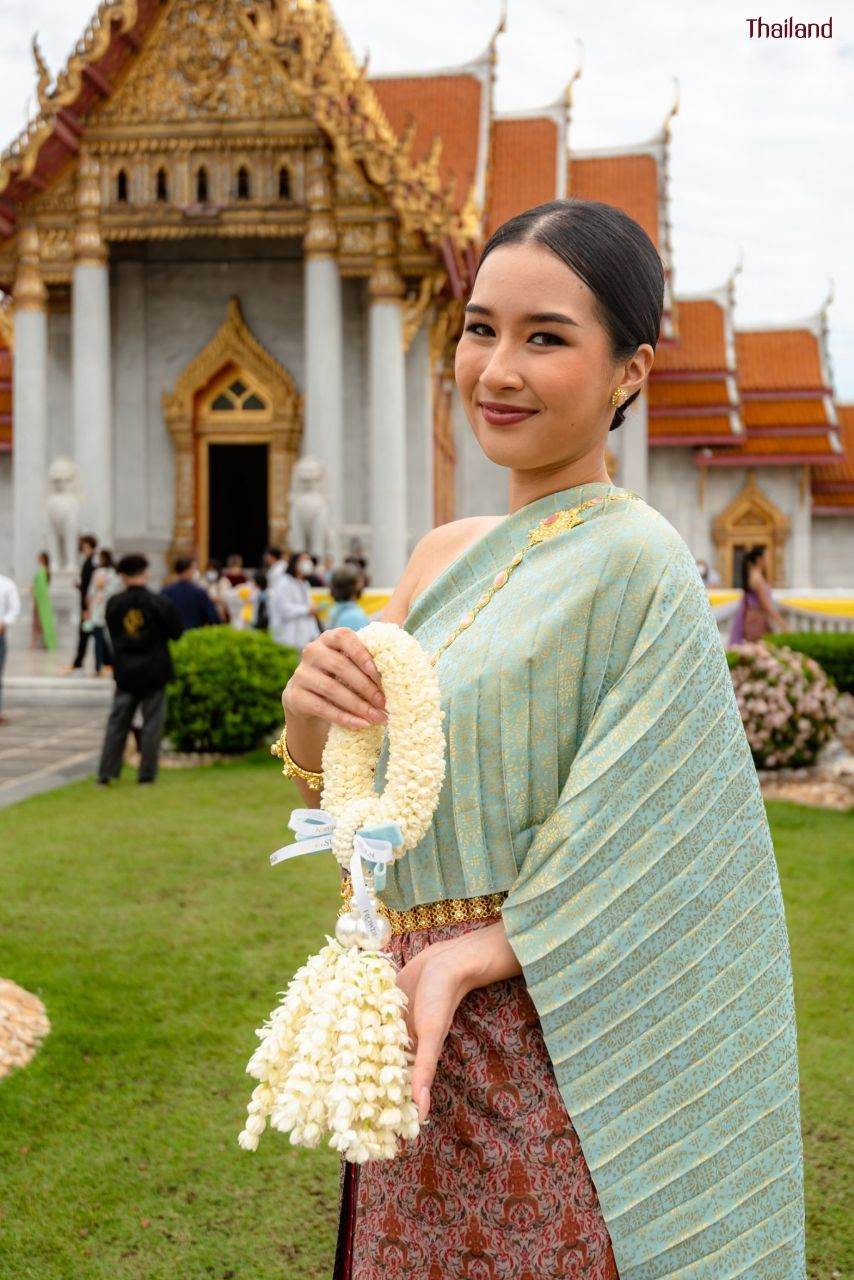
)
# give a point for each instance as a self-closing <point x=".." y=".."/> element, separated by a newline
<point x="430" y="556"/>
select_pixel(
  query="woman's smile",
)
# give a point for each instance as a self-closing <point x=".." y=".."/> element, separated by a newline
<point x="505" y="415"/>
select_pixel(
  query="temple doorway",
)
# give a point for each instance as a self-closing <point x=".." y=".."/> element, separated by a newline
<point x="751" y="519"/>
<point x="236" y="420"/>
<point x="238" y="515"/>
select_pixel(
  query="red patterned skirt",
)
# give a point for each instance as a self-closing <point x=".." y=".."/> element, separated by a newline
<point x="495" y="1187"/>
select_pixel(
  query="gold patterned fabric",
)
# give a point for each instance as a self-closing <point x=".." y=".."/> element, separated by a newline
<point x="430" y="914"/>
<point x="598" y="773"/>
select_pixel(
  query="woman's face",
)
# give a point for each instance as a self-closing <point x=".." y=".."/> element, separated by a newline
<point x="532" y="341"/>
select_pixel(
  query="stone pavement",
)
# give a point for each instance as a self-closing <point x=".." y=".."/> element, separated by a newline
<point x="46" y="745"/>
<point x="54" y="723"/>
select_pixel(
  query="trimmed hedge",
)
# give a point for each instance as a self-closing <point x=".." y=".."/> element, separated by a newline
<point x="227" y="691"/>
<point x="832" y="650"/>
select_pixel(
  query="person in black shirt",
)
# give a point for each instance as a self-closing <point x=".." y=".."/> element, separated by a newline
<point x="192" y="601"/>
<point x="86" y="546"/>
<point x="140" y="624"/>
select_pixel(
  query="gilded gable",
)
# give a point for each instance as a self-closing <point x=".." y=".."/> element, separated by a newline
<point x="202" y="62"/>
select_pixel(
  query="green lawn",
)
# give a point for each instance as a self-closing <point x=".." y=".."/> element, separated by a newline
<point x="151" y="925"/>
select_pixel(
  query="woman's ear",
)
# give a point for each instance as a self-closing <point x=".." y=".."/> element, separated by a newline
<point x="637" y="367"/>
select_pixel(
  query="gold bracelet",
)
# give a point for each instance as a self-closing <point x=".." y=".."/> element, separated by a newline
<point x="290" y="768"/>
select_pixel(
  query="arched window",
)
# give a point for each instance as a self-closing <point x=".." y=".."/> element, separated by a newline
<point x="162" y="186"/>
<point x="243" y="184"/>
<point x="284" y="184"/>
<point x="237" y="397"/>
<point x="122" y="187"/>
<point x="202" y="185"/>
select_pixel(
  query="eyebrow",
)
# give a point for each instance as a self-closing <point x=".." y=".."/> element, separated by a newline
<point x="538" y="317"/>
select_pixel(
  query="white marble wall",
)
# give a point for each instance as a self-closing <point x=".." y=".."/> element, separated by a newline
<point x="419" y="439"/>
<point x="357" y="464"/>
<point x="6" y="514"/>
<point x="833" y="551"/>
<point x="60" y="426"/>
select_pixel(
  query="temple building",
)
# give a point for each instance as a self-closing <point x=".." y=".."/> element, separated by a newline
<point x="226" y="246"/>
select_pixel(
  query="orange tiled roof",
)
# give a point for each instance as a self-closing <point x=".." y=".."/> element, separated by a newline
<point x="785" y="413"/>
<point x="833" y="483"/>
<point x="700" y="342"/>
<point x="447" y="105"/>
<point x="792" y="449"/>
<point x="669" y="395"/>
<point x="676" y="428"/>
<point x="523" y="167"/>
<point x="629" y="182"/>
<point x="778" y="360"/>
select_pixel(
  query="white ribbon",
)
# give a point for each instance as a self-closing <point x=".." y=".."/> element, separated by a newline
<point x="314" y="828"/>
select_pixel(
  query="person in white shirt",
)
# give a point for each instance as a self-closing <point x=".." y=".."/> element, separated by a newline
<point x="10" y="607"/>
<point x="292" y="612"/>
<point x="274" y="564"/>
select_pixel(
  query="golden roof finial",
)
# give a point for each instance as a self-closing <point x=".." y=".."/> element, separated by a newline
<point x="43" y="75"/>
<point x="673" y="110"/>
<point x="576" y="75"/>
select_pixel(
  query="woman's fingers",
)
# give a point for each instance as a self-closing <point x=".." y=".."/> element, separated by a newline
<point x="341" y="695"/>
<point x="318" y="705"/>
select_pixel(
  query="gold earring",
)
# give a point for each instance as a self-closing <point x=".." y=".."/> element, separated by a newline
<point x="618" y="397"/>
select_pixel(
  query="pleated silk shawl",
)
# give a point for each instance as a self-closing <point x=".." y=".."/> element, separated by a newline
<point x="598" y="770"/>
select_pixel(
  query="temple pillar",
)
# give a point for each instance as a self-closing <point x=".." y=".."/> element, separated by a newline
<point x="801" y="532"/>
<point x="323" y="435"/>
<point x="387" y="412"/>
<point x="634" y="445"/>
<point x="90" y="359"/>
<point x="29" y="401"/>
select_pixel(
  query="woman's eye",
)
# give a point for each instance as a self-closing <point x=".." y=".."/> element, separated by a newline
<point x="477" y="326"/>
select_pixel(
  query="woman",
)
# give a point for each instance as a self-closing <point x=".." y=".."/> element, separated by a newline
<point x="591" y="934"/>
<point x="756" y="613"/>
<point x="43" y="632"/>
<point x="294" y="617"/>
<point x="105" y="582"/>
<point x="345" y="587"/>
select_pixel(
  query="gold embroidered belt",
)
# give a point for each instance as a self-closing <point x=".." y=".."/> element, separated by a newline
<point x="429" y="914"/>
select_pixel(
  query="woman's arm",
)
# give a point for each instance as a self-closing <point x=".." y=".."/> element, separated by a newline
<point x="436" y="980"/>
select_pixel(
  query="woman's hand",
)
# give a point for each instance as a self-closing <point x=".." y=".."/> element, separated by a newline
<point x="435" y="981"/>
<point x="337" y="682"/>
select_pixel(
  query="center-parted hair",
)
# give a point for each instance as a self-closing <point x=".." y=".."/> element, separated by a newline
<point x="614" y="257"/>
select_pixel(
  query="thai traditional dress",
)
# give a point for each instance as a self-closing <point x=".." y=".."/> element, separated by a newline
<point x="43" y="633"/>
<point x="628" y="1105"/>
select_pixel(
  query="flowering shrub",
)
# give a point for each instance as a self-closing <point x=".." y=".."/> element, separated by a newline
<point x="787" y="704"/>
<point x="227" y="691"/>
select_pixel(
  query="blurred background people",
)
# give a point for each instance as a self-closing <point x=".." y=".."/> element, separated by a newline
<point x="756" y="613"/>
<point x="345" y="587"/>
<point x="274" y="563"/>
<point x="234" y="570"/>
<point x="86" y="547"/>
<point x="43" y="628"/>
<point x="141" y="624"/>
<point x="104" y="583"/>
<point x="10" y="607"/>
<point x="192" y="601"/>
<point x="261" y="621"/>
<point x="294" y="617"/>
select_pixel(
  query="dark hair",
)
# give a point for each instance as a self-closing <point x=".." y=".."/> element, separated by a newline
<point x="90" y="539"/>
<point x="259" y="577"/>
<point x="275" y="552"/>
<point x="132" y="566"/>
<point x="614" y="257"/>
<point x="294" y="557"/>
<point x="183" y="563"/>
<point x="44" y="559"/>
<point x="344" y="583"/>
<point x="106" y="558"/>
<point x="748" y="560"/>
